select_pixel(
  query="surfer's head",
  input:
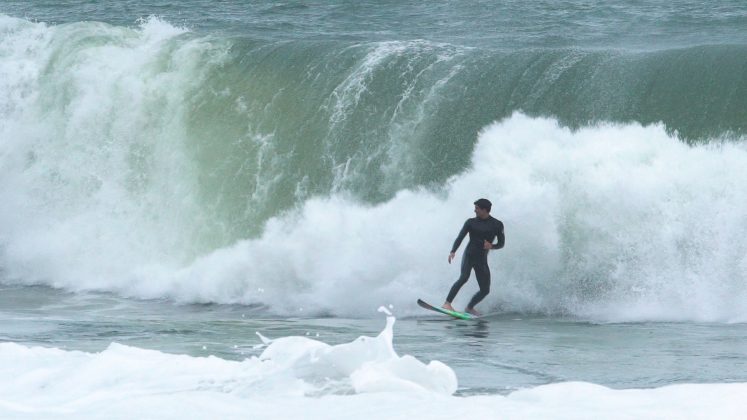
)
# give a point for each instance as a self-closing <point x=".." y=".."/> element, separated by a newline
<point x="482" y="208"/>
<point x="484" y="204"/>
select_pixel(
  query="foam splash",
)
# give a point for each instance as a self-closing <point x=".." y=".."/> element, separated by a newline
<point x="366" y="364"/>
<point x="46" y="380"/>
<point x="88" y="150"/>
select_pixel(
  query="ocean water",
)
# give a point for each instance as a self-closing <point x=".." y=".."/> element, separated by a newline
<point x="211" y="209"/>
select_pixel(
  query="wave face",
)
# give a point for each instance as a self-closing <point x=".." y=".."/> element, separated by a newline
<point x="158" y="162"/>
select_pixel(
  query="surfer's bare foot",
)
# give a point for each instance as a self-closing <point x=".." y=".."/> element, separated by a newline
<point x="473" y="311"/>
<point x="448" y="306"/>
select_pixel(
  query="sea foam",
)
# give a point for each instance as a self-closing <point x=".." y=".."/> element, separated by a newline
<point x="298" y="377"/>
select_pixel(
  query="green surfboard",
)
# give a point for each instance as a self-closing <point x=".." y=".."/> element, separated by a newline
<point x="455" y="314"/>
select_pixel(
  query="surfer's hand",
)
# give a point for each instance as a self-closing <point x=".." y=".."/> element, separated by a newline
<point x="487" y="245"/>
<point x="451" y="256"/>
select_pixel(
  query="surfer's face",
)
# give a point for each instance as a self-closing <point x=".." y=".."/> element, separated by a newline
<point x="481" y="213"/>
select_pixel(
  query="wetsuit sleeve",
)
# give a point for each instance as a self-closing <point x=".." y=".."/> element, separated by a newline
<point x="460" y="237"/>
<point x="500" y="236"/>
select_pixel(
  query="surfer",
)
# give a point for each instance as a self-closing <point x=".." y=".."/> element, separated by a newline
<point x="482" y="229"/>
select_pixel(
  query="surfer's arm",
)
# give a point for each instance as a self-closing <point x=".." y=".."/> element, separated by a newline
<point x="500" y="237"/>
<point x="460" y="237"/>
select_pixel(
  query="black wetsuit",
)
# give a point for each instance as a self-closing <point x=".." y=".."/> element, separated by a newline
<point x="475" y="256"/>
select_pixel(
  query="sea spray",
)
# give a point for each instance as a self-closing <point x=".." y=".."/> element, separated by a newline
<point x="600" y="222"/>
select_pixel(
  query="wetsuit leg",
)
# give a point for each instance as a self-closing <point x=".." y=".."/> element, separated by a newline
<point x="463" y="277"/>
<point x="482" y="272"/>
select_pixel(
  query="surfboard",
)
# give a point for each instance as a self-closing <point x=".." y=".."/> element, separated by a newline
<point x="455" y="314"/>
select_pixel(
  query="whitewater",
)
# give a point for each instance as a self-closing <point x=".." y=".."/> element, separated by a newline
<point x="231" y="212"/>
<point x="299" y="377"/>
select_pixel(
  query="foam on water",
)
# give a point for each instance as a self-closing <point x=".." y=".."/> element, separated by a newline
<point x="297" y="377"/>
<point x="46" y="381"/>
